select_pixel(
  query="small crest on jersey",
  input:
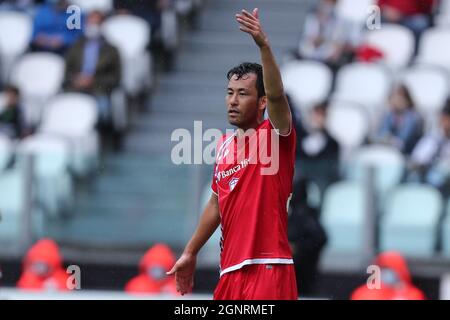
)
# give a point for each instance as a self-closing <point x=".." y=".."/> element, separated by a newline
<point x="233" y="183"/>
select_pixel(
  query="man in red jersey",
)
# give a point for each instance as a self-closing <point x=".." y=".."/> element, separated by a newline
<point x="250" y="197"/>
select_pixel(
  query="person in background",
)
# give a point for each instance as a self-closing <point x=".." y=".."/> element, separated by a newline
<point x="43" y="269"/>
<point x="430" y="159"/>
<point x="402" y="125"/>
<point x="12" y="122"/>
<point x="413" y="14"/>
<point x="50" y="31"/>
<point x="324" y="37"/>
<point x="307" y="238"/>
<point x="152" y="278"/>
<point x="394" y="283"/>
<point x="317" y="150"/>
<point x="93" y="66"/>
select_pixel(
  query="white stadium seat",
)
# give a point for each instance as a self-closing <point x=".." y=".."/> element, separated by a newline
<point x="446" y="232"/>
<point x="410" y="222"/>
<point x="39" y="76"/>
<point x="366" y="84"/>
<point x="307" y="82"/>
<point x="343" y="215"/>
<point x="348" y="123"/>
<point x="388" y="162"/>
<point x="131" y="35"/>
<point x="74" y="116"/>
<point x="434" y="48"/>
<point x="354" y="11"/>
<point x="15" y="35"/>
<point x="6" y="149"/>
<point x="87" y="6"/>
<point x="395" y="56"/>
<point x="429" y="87"/>
<point x="52" y="180"/>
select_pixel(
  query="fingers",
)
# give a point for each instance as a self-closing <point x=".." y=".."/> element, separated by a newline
<point x="249" y="15"/>
<point x="256" y="13"/>
<point x="247" y="24"/>
<point x="172" y="271"/>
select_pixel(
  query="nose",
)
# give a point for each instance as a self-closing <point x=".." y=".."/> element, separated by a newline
<point x="233" y="100"/>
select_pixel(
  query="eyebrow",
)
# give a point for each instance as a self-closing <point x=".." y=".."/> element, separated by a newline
<point x="238" y="89"/>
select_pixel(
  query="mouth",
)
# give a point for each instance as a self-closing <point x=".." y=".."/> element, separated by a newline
<point x="233" y="113"/>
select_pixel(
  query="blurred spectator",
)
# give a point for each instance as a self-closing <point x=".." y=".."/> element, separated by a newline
<point x="93" y="67"/>
<point x="307" y="238"/>
<point x="430" y="160"/>
<point x="19" y="5"/>
<point x="11" y="116"/>
<point x="402" y="125"/>
<point x="50" y="30"/>
<point x="42" y="268"/>
<point x="413" y="14"/>
<point x="152" y="278"/>
<point x="324" y="35"/>
<point x="317" y="151"/>
<point x="395" y="281"/>
<point x="152" y="11"/>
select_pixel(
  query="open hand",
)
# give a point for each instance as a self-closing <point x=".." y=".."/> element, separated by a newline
<point x="249" y="23"/>
<point x="184" y="273"/>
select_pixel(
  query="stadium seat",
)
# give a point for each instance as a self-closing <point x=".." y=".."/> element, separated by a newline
<point x="39" y="76"/>
<point x="434" y="48"/>
<point x="74" y="117"/>
<point x="410" y="221"/>
<point x="307" y="82"/>
<point x="442" y="18"/>
<point x="87" y="6"/>
<point x="398" y="56"/>
<point x="52" y="180"/>
<point x="342" y="216"/>
<point x="349" y="137"/>
<point x="446" y="232"/>
<point x="6" y="149"/>
<point x="131" y="35"/>
<point x="429" y="87"/>
<point x="366" y="84"/>
<point x="12" y="201"/>
<point x="388" y="162"/>
<point x="354" y="11"/>
<point x="15" y="35"/>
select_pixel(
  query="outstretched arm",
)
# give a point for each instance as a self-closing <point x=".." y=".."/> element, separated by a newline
<point x="277" y="105"/>
<point x="184" y="268"/>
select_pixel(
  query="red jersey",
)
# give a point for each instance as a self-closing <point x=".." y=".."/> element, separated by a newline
<point x="253" y="181"/>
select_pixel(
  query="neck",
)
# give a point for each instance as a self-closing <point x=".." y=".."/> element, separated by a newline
<point x="241" y="130"/>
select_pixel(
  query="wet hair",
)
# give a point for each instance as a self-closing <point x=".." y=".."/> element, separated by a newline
<point x="246" y="68"/>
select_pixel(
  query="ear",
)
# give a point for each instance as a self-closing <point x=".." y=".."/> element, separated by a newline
<point x="262" y="103"/>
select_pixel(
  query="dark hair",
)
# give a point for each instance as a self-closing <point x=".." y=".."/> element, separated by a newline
<point x="446" y="110"/>
<point x="403" y="89"/>
<point x="246" y="68"/>
<point x="322" y="106"/>
<point x="13" y="89"/>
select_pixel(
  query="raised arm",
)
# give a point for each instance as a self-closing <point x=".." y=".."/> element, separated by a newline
<point x="184" y="268"/>
<point x="277" y="104"/>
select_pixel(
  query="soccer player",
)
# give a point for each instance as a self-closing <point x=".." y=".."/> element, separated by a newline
<point x="251" y="207"/>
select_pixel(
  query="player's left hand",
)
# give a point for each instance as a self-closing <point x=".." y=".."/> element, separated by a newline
<point x="249" y="23"/>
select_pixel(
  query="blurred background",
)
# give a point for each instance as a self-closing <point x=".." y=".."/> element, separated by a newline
<point x="91" y="91"/>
